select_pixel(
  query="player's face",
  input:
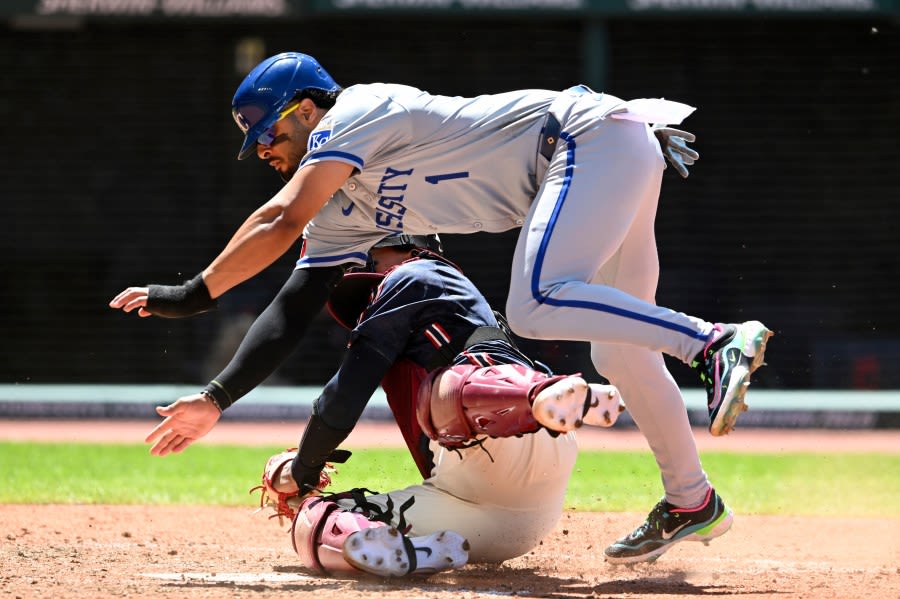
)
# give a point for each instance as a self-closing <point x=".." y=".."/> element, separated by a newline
<point x="386" y="258"/>
<point x="287" y="148"/>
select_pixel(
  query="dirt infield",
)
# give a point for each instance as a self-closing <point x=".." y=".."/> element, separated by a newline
<point x="202" y="552"/>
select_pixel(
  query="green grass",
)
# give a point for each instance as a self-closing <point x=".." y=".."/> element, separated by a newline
<point x="801" y="483"/>
<point x="813" y="484"/>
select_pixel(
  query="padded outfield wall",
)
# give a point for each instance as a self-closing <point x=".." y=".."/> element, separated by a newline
<point x="118" y="168"/>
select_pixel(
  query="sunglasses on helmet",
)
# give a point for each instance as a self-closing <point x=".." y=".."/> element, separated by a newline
<point x="268" y="136"/>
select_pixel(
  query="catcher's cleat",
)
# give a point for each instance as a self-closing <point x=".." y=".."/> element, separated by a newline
<point x="667" y="525"/>
<point x="725" y="366"/>
<point x="605" y="405"/>
<point x="387" y="552"/>
<point x="567" y="404"/>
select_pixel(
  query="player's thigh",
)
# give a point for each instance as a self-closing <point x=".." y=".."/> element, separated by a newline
<point x="495" y="533"/>
<point x="592" y="195"/>
<point x="515" y="472"/>
<point x="634" y="267"/>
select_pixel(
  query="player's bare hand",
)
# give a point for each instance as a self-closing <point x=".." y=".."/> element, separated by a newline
<point x="186" y="420"/>
<point x="167" y="301"/>
<point x="133" y="298"/>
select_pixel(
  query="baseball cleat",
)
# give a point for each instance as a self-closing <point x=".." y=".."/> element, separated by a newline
<point x="666" y="525"/>
<point x="568" y="403"/>
<point x="725" y="366"/>
<point x="386" y="552"/>
<point x="605" y="405"/>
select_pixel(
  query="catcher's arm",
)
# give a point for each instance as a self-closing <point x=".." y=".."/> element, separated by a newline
<point x="292" y="476"/>
<point x="275" y="333"/>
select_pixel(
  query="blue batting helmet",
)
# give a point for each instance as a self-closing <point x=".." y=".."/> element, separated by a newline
<point x="271" y="86"/>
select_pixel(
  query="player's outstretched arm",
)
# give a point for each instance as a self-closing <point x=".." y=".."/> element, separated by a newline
<point x="273" y="228"/>
<point x="275" y="333"/>
<point x="263" y="238"/>
<point x="337" y="410"/>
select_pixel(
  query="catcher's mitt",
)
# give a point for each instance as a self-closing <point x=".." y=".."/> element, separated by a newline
<point x="279" y="489"/>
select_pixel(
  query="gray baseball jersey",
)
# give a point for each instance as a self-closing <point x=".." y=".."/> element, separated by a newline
<point x="585" y="267"/>
<point x="425" y="164"/>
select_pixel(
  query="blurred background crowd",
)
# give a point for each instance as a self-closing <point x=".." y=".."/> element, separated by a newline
<point x="119" y="165"/>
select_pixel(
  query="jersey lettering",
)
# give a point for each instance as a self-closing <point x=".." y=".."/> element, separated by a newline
<point x="385" y="220"/>
<point x="393" y="204"/>
<point x="389" y="210"/>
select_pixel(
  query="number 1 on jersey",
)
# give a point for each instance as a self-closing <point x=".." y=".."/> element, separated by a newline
<point x="435" y="179"/>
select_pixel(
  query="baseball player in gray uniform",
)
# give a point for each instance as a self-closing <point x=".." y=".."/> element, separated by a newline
<point x="579" y="172"/>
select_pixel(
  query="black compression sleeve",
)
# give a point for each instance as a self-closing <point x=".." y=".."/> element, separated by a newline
<point x="337" y="410"/>
<point x="275" y="333"/>
<point x="318" y="441"/>
<point x="345" y="396"/>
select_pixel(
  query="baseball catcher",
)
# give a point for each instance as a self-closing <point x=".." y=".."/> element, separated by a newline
<point x="463" y="396"/>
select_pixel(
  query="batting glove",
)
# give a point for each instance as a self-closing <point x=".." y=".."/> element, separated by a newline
<point x="674" y="147"/>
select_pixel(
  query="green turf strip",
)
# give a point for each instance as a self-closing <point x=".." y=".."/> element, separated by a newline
<point x="813" y="484"/>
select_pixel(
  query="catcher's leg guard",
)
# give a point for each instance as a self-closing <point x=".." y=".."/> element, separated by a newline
<point x="319" y="531"/>
<point x="567" y="404"/>
<point x="387" y="552"/>
<point x="458" y="403"/>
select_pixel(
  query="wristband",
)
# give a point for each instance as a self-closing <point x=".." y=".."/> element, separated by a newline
<point x="178" y="301"/>
<point x="218" y="395"/>
<point x="212" y="400"/>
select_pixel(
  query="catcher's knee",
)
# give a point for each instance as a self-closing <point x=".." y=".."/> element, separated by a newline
<point x="458" y="403"/>
<point x="319" y="531"/>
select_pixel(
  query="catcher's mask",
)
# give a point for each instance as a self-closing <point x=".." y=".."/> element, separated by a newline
<point x="354" y="292"/>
